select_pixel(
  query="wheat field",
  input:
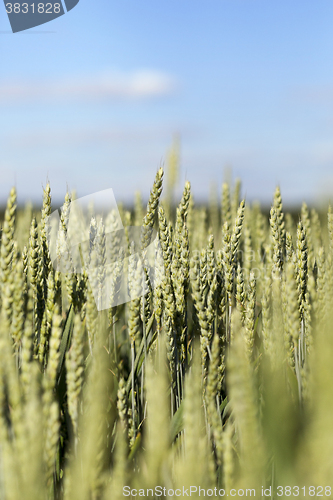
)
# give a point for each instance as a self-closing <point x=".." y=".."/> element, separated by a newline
<point x="218" y="381"/>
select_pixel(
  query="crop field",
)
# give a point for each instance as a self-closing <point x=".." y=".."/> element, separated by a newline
<point x="214" y="379"/>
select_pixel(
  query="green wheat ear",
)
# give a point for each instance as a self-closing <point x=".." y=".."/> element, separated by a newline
<point x="317" y="442"/>
<point x="8" y="229"/>
<point x="157" y="443"/>
<point x="220" y="376"/>
<point x="212" y="398"/>
<point x="195" y="468"/>
<point x="153" y="201"/>
<point x="243" y="401"/>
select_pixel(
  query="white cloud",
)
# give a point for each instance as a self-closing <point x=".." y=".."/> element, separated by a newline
<point x="311" y="94"/>
<point x="85" y="136"/>
<point x="109" y="85"/>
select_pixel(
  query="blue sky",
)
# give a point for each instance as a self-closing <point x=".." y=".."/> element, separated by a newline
<point x="93" y="99"/>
